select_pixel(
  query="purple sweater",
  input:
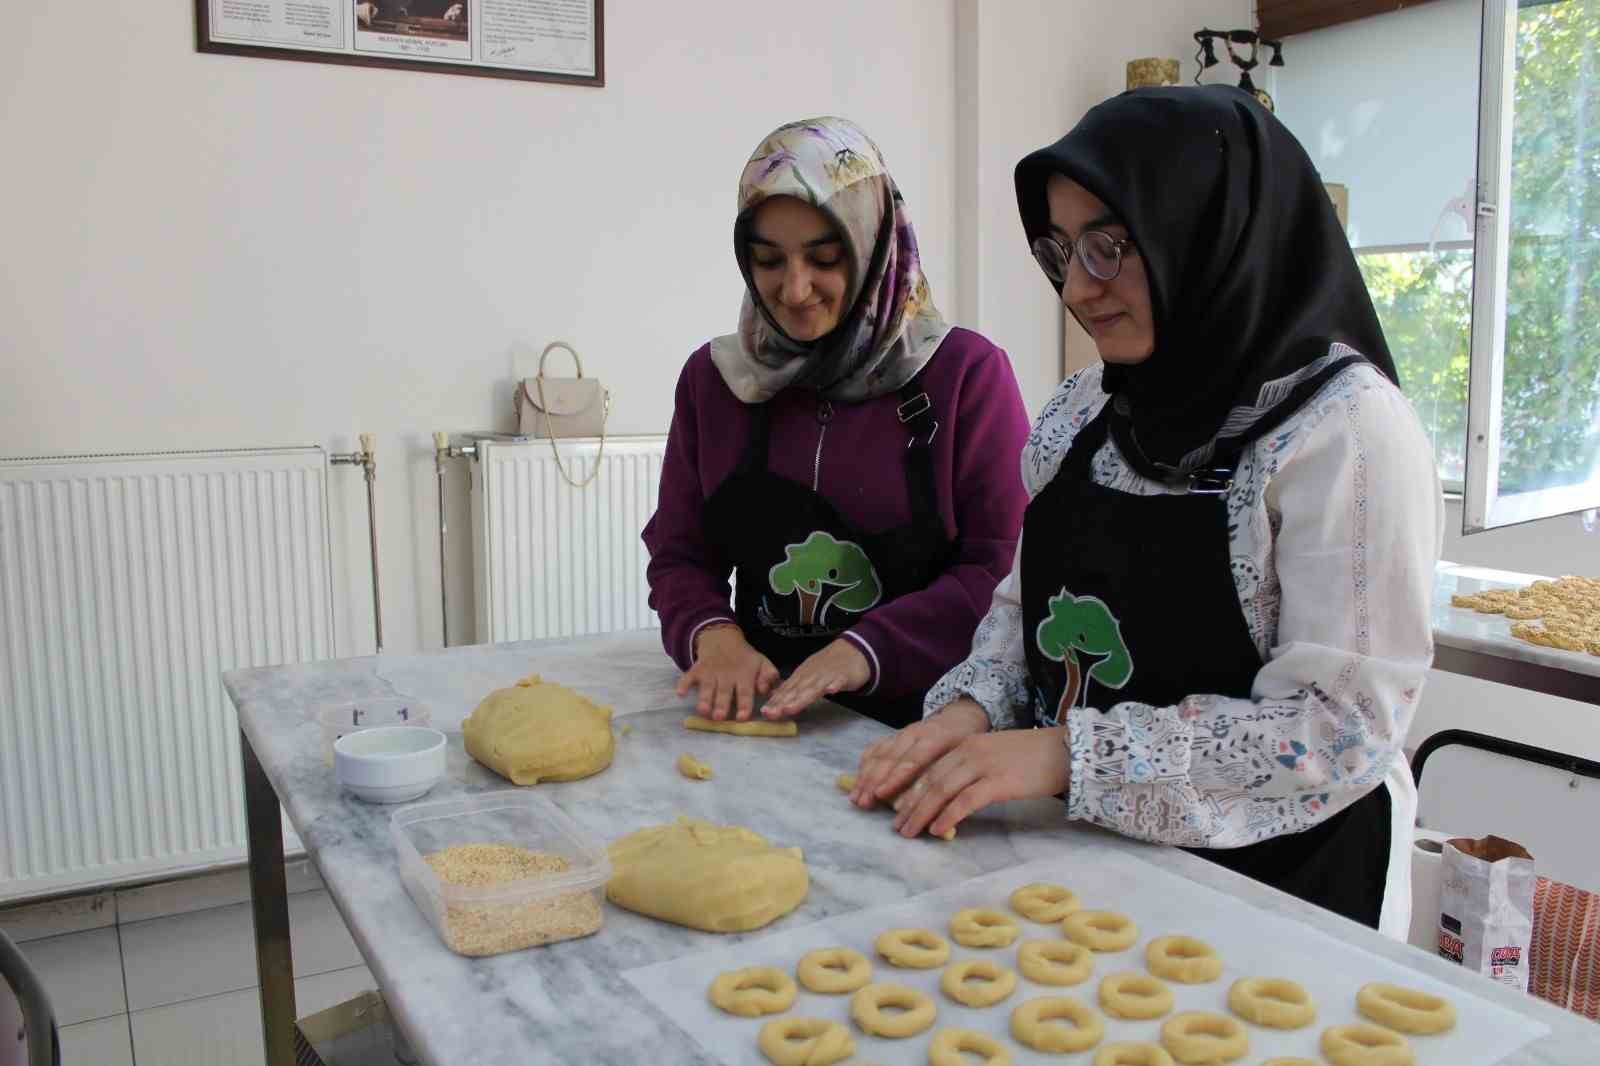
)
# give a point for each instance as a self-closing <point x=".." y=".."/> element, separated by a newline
<point x="913" y="640"/>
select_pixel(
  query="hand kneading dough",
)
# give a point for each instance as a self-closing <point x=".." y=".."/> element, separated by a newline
<point x="539" y="731"/>
<point x="719" y="878"/>
<point x="741" y="729"/>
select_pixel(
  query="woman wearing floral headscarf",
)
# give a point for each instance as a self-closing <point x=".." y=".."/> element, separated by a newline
<point x="837" y="454"/>
<point x="1218" y="624"/>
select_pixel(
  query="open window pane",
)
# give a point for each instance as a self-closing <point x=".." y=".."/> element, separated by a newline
<point x="1534" y="422"/>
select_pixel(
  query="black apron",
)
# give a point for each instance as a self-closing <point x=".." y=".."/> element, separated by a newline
<point x="1131" y="598"/>
<point x="803" y="573"/>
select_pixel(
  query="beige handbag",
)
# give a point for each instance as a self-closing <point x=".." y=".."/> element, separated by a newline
<point x="564" y="407"/>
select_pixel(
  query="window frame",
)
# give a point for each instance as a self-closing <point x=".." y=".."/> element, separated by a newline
<point x="1483" y="505"/>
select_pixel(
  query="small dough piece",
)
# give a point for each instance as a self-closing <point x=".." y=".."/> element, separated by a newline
<point x="795" y="1041"/>
<point x="913" y="949"/>
<point x="1366" y="1045"/>
<point x="1202" y="1039"/>
<point x="1272" y="1002"/>
<point x="1036" y="1024"/>
<point x="693" y="768"/>
<point x="995" y="983"/>
<point x="1132" y="1055"/>
<point x="1044" y="903"/>
<point x="1100" y="930"/>
<point x="845" y="782"/>
<point x="834" y="970"/>
<point x="917" y="1011"/>
<point x="539" y="731"/>
<point x="1136" y="996"/>
<point x="1405" y="1010"/>
<point x="719" y="878"/>
<point x="753" y="991"/>
<point x="981" y="927"/>
<point x="742" y="729"/>
<point x="1183" y="959"/>
<point x="947" y="1045"/>
<point x="1055" y="962"/>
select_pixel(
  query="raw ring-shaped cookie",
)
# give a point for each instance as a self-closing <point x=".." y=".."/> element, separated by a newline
<point x="999" y="983"/>
<point x="1405" y="1010"/>
<point x="913" y="949"/>
<point x="1198" y="1037"/>
<point x="1055" y="962"/>
<point x="1100" y="930"/>
<point x="1136" y="996"/>
<point x="1366" y="1045"/>
<point x="1126" y="1054"/>
<point x="753" y="991"/>
<point x="1273" y="1002"/>
<point x="1035" y="1025"/>
<point x="1044" y="902"/>
<point x="805" y="1042"/>
<point x="833" y="970"/>
<point x="917" y="1011"/>
<point x="947" y="1045"/>
<point x="1182" y="959"/>
<point x="981" y="927"/>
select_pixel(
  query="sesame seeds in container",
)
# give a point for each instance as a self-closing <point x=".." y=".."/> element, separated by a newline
<point x="500" y="872"/>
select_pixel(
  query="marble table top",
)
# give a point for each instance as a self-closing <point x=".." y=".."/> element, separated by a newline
<point x="1490" y="634"/>
<point x="568" y="1002"/>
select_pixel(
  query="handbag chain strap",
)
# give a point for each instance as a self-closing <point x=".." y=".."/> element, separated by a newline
<point x="549" y="429"/>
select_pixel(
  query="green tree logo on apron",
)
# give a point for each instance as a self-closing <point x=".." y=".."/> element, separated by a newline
<point x="824" y="573"/>
<point x="1084" y="626"/>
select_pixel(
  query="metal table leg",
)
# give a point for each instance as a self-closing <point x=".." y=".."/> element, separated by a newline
<point x="269" y="904"/>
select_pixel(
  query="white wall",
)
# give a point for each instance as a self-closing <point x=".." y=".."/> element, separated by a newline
<point x="205" y="251"/>
<point x="1033" y="70"/>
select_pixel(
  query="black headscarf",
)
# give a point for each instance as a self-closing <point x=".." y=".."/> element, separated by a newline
<point x="1251" y="277"/>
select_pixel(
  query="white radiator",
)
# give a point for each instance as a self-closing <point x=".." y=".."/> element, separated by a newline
<point x="552" y="560"/>
<point x="128" y="584"/>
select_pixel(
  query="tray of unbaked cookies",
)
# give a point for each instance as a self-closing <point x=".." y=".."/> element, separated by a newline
<point x="1064" y="961"/>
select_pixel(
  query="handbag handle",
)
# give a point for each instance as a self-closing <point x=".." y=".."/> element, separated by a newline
<point x="552" y="346"/>
<point x="544" y="409"/>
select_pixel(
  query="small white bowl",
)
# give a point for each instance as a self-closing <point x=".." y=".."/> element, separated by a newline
<point x="390" y="764"/>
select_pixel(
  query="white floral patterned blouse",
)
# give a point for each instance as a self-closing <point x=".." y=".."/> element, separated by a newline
<point x="1336" y="521"/>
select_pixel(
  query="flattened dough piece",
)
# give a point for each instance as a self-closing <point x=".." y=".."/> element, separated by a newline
<point x="539" y="731"/>
<point x="719" y="878"/>
<point x="742" y="729"/>
<point x="693" y="768"/>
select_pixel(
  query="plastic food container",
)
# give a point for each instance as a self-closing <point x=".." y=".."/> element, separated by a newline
<point x="344" y="718"/>
<point x="524" y="873"/>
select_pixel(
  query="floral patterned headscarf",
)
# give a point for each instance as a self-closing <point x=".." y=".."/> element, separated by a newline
<point x="891" y="329"/>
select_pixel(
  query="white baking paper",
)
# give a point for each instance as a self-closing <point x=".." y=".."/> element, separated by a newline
<point x="1252" y="943"/>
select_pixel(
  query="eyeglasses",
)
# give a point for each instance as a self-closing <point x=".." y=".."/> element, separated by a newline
<point x="1100" y="253"/>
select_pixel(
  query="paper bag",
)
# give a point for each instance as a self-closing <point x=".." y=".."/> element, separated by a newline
<point x="1486" y="908"/>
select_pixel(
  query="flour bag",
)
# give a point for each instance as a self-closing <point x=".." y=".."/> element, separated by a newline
<point x="1486" y="908"/>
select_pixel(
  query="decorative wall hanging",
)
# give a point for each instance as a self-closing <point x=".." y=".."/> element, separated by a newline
<point x="1246" y="62"/>
<point x="532" y="40"/>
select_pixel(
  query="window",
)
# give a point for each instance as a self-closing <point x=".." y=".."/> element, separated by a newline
<point x="1502" y="362"/>
<point x="1533" y="429"/>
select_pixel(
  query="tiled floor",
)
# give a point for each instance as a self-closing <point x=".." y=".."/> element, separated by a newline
<point x="166" y="975"/>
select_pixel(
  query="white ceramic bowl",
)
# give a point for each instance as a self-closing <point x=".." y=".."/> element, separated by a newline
<point x="391" y="764"/>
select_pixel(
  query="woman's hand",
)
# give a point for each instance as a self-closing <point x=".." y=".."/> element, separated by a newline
<point x="1011" y="764"/>
<point x="729" y="672"/>
<point x="889" y="765"/>
<point x="839" y="667"/>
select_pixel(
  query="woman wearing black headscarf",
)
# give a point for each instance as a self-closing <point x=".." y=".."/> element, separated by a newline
<point x="1219" y="612"/>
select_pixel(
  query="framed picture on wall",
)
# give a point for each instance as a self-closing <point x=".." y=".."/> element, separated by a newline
<point x="532" y="40"/>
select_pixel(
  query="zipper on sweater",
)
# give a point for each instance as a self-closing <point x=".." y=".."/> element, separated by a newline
<point x="824" y="416"/>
